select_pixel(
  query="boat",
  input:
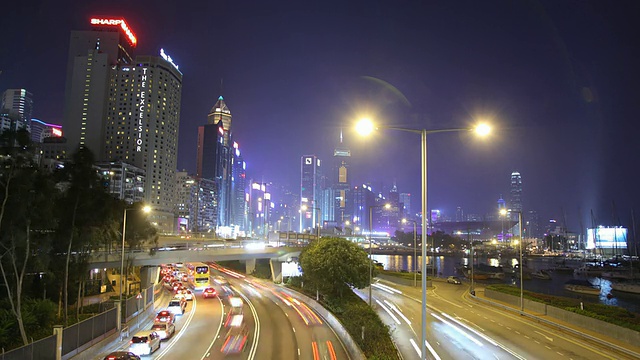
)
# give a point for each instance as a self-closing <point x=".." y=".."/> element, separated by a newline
<point x="589" y="270"/>
<point x="633" y="288"/>
<point x="582" y="287"/>
<point x="563" y="269"/>
<point x="541" y="274"/>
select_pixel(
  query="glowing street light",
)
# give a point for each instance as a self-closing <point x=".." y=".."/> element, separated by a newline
<point x="365" y="127"/>
<point x="123" y="282"/>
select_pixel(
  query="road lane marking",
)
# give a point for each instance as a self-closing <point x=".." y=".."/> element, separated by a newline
<point x="208" y="352"/>
<point x="388" y="312"/>
<point x="394" y="308"/>
<point x="545" y="336"/>
<point x="331" y="351"/>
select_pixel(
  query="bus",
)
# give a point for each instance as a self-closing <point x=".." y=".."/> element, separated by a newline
<point x="198" y="275"/>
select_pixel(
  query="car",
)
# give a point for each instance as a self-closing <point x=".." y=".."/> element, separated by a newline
<point x="165" y="330"/>
<point x="177" y="306"/>
<point x="187" y="294"/>
<point x="235" y="340"/>
<point x="164" y="316"/>
<point x="144" y="342"/>
<point x="454" y="280"/>
<point x="220" y="280"/>
<point x="209" y="292"/>
<point x="122" y="355"/>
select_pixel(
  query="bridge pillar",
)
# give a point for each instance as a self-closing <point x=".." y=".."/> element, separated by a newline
<point x="149" y="276"/>
<point x="276" y="270"/>
<point x="250" y="266"/>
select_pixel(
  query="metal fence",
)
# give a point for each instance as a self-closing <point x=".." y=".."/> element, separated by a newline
<point x="43" y="349"/>
<point x="84" y="334"/>
<point x="79" y="337"/>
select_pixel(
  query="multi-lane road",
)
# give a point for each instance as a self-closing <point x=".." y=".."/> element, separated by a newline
<point x="459" y="328"/>
<point x="280" y="326"/>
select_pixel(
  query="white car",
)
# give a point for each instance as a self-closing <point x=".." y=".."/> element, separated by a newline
<point x="177" y="306"/>
<point x="165" y="330"/>
<point x="144" y="342"/>
<point x="187" y="294"/>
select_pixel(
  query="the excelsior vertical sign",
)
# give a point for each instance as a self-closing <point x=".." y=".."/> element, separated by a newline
<point x="141" y="108"/>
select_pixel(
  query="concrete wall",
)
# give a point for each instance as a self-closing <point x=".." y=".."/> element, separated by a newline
<point x="627" y="335"/>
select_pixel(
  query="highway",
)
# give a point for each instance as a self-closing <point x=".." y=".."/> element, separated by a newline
<point x="280" y="326"/>
<point x="459" y="328"/>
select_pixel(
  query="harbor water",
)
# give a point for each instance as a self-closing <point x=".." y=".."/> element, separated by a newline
<point x="444" y="266"/>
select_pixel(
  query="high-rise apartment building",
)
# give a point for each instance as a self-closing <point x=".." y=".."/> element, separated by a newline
<point x="515" y="202"/>
<point x="310" y="192"/>
<point x="124" y="181"/>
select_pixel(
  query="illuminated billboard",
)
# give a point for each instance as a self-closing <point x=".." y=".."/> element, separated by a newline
<point x="117" y="22"/>
<point x="607" y="238"/>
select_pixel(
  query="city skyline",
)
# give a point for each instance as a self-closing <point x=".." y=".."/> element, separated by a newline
<point x="295" y="75"/>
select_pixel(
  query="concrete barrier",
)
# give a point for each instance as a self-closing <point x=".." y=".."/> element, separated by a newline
<point x="355" y="353"/>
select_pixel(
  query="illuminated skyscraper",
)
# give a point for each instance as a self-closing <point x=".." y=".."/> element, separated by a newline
<point x="341" y="185"/>
<point x="238" y="190"/>
<point x="20" y="103"/>
<point x="310" y="191"/>
<point x="515" y="202"/>
<point x="141" y="129"/>
<point x="93" y="61"/>
<point x="215" y="158"/>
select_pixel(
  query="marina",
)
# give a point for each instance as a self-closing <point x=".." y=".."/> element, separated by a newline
<point x="612" y="292"/>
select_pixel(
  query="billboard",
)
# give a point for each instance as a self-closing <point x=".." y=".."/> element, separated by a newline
<point x="607" y="238"/>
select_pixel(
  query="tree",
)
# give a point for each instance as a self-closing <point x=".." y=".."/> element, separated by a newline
<point x="334" y="265"/>
<point x="84" y="206"/>
<point x="25" y="215"/>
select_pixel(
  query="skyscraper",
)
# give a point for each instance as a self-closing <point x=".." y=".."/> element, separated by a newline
<point x="515" y="202"/>
<point x="142" y="123"/>
<point x="215" y="157"/>
<point x="341" y="184"/>
<point x="405" y="199"/>
<point x="20" y="103"/>
<point x="310" y="191"/>
<point x="93" y="61"/>
<point x="124" y="110"/>
<point x="238" y="190"/>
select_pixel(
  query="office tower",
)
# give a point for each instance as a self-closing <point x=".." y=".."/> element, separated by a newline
<point x="204" y="206"/>
<point x="10" y="121"/>
<point x="238" y="190"/>
<point x="184" y="185"/>
<point x="124" y="181"/>
<point x="141" y="129"/>
<point x="515" y="202"/>
<point x="341" y="185"/>
<point x="532" y="225"/>
<point x="94" y="59"/>
<point x="405" y="199"/>
<point x="394" y="214"/>
<point x="459" y="214"/>
<point x="20" y="103"/>
<point x="215" y="158"/>
<point x="41" y="130"/>
<point x="260" y="209"/>
<point x="310" y="192"/>
<point x="363" y="199"/>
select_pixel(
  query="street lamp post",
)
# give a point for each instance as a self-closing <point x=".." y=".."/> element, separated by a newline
<point x="414" y="264"/>
<point x="521" y="282"/>
<point x="146" y="209"/>
<point x="365" y="127"/>
<point x="386" y="206"/>
<point x="305" y="207"/>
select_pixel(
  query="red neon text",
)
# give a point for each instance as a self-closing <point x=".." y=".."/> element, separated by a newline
<point x="116" y="22"/>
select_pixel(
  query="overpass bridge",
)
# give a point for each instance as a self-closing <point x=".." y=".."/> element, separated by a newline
<point x="247" y="251"/>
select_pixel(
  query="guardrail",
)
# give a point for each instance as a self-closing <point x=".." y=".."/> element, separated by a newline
<point x="558" y="326"/>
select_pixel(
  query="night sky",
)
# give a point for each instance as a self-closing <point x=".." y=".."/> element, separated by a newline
<point x="559" y="81"/>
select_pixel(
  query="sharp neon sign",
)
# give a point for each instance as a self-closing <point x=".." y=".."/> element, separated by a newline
<point x="116" y="22"/>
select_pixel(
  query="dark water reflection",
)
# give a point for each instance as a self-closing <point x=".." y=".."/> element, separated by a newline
<point x="446" y="265"/>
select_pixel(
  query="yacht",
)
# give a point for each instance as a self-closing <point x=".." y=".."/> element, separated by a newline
<point x="633" y="288"/>
<point x="582" y="287"/>
<point x="541" y="274"/>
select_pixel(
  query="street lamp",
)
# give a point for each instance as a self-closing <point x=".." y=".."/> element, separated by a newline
<point x="414" y="265"/>
<point x="146" y="209"/>
<point x="386" y="206"/>
<point x="521" y="279"/>
<point x="365" y="127"/>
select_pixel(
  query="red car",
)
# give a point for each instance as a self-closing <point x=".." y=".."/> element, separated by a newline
<point x="209" y="292"/>
<point x="164" y="316"/>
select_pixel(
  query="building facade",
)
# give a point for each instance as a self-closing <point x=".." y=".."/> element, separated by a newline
<point x="310" y="192"/>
